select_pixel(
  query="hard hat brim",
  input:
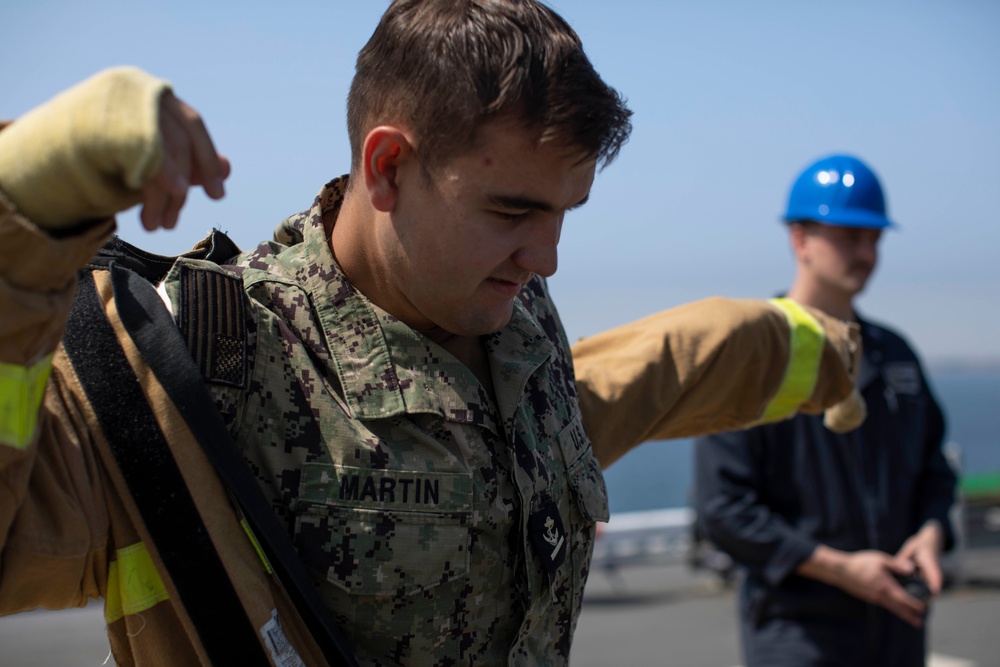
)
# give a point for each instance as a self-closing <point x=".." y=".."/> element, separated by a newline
<point x="842" y="218"/>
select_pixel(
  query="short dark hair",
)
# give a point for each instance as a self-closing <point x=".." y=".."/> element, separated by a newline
<point x="443" y="68"/>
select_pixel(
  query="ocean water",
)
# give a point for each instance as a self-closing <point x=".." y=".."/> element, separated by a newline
<point x="658" y="474"/>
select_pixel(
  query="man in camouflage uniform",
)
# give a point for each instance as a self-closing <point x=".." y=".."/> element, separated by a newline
<point x="408" y="403"/>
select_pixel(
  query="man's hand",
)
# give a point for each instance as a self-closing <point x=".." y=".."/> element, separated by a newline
<point x="118" y="139"/>
<point x="923" y="550"/>
<point x="189" y="159"/>
<point x="846" y="415"/>
<point x="841" y="357"/>
<point x="869" y="576"/>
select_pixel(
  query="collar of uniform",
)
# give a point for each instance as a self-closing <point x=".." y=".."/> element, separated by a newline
<point x="516" y="352"/>
<point x="429" y="379"/>
<point x="388" y="369"/>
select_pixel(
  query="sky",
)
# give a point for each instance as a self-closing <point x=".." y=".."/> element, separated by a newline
<point x="731" y="100"/>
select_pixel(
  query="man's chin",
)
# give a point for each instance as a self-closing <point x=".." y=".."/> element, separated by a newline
<point x="487" y="323"/>
<point x="486" y="331"/>
<point x="855" y="288"/>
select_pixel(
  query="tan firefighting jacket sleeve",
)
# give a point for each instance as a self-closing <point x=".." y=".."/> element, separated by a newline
<point x="714" y="365"/>
<point x="69" y="164"/>
<point x="57" y="505"/>
<point x="53" y="519"/>
<point x="95" y="144"/>
<point x="69" y="528"/>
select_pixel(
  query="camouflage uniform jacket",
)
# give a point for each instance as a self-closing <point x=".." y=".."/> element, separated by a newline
<point x="443" y="528"/>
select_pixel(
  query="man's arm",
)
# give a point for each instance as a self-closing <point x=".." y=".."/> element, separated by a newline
<point x="113" y="141"/>
<point x="118" y="139"/>
<point x="711" y="366"/>
<point x="733" y="510"/>
<point x="71" y="164"/>
<point x="730" y="508"/>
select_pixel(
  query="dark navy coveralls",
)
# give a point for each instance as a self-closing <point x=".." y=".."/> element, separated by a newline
<point x="768" y="496"/>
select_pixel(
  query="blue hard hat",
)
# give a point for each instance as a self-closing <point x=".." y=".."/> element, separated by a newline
<point x="838" y="190"/>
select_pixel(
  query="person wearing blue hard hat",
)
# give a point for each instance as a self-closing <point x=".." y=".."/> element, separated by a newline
<point x="836" y="214"/>
<point x="839" y="535"/>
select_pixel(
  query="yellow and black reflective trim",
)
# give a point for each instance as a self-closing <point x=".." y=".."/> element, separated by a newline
<point x="21" y="392"/>
<point x="805" y="350"/>
<point x="134" y="585"/>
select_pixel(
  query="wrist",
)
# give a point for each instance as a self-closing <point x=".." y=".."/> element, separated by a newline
<point x="825" y="564"/>
<point x="86" y="153"/>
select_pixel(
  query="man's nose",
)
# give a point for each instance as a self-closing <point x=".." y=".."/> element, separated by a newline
<point x="539" y="253"/>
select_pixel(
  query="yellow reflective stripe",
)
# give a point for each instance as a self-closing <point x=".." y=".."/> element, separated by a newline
<point x="21" y="392"/>
<point x="256" y="546"/>
<point x="804" y="353"/>
<point x="134" y="585"/>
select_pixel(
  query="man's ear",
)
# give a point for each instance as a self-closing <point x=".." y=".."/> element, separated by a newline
<point x="385" y="148"/>
<point x="797" y="233"/>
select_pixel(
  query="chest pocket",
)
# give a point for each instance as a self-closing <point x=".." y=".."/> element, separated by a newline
<point x="583" y="502"/>
<point x="583" y="472"/>
<point x="383" y="532"/>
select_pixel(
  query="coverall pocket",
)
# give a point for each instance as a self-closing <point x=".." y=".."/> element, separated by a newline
<point x="586" y="503"/>
<point x="384" y="532"/>
<point x="587" y="482"/>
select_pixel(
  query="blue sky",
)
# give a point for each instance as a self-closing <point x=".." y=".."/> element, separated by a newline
<point x="731" y="100"/>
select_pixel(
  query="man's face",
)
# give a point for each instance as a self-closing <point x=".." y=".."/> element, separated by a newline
<point x="466" y="238"/>
<point x="839" y="258"/>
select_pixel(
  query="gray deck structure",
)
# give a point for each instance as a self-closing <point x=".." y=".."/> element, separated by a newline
<point x="643" y="616"/>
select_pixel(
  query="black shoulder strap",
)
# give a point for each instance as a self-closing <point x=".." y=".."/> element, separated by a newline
<point x="157" y="485"/>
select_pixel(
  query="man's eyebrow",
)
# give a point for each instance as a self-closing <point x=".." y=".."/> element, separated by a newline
<point x="527" y="203"/>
